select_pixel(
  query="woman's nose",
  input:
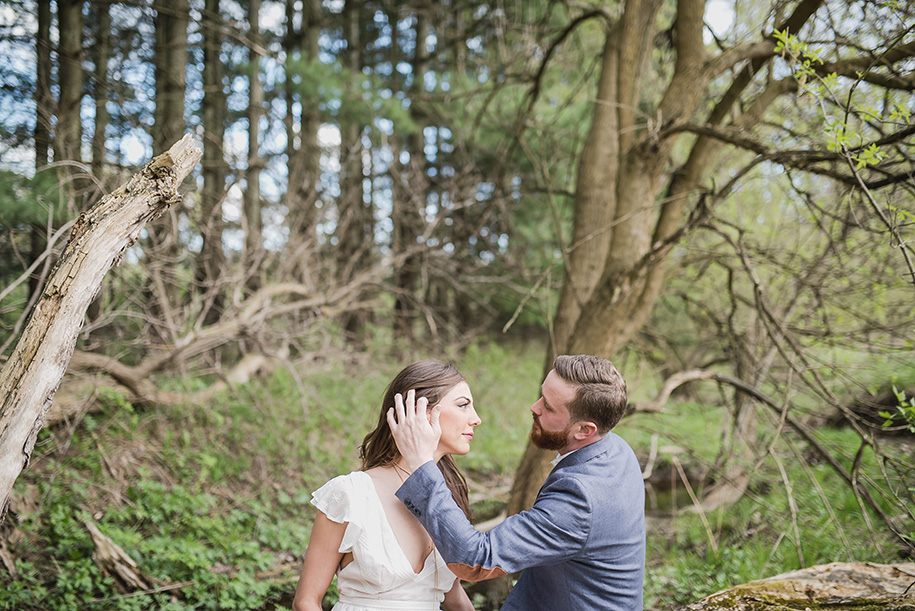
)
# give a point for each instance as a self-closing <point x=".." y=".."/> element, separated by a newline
<point x="475" y="419"/>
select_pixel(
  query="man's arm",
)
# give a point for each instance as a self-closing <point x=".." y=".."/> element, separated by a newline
<point x="553" y="530"/>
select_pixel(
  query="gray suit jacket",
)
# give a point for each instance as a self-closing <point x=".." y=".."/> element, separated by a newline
<point x="582" y="544"/>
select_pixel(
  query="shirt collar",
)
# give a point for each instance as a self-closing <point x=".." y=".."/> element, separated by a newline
<point x="559" y="457"/>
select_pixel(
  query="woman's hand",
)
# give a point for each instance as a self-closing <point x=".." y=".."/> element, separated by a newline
<point x="415" y="433"/>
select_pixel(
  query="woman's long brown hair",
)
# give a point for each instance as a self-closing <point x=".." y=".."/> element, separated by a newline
<point x="431" y="379"/>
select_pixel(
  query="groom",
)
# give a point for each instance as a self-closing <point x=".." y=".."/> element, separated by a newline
<point x="582" y="544"/>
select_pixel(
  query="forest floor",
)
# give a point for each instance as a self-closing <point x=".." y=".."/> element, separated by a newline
<point x="211" y="501"/>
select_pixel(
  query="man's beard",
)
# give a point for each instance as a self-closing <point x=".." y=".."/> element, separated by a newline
<point x="549" y="440"/>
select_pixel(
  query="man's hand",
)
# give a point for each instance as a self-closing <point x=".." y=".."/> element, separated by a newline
<point x="415" y="433"/>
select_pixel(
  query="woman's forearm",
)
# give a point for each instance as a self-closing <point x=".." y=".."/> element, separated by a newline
<point x="457" y="599"/>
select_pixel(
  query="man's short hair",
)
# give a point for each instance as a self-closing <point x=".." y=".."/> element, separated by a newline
<point x="601" y="394"/>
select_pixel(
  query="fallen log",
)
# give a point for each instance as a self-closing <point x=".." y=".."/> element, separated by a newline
<point x="30" y="377"/>
<point x="849" y="586"/>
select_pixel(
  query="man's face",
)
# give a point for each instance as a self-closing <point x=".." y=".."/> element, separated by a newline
<point x="552" y="425"/>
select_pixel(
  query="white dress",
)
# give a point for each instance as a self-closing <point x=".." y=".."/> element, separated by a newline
<point x="380" y="578"/>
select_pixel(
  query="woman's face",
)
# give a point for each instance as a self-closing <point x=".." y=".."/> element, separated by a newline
<point x="458" y="419"/>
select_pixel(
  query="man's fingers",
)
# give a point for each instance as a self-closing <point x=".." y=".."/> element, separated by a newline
<point x="421" y="404"/>
<point x="434" y="415"/>
<point x="399" y="408"/>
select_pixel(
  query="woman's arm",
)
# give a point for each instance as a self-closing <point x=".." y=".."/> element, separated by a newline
<point x="321" y="561"/>
<point x="456" y="599"/>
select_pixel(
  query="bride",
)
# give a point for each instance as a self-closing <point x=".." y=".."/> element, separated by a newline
<point x="383" y="558"/>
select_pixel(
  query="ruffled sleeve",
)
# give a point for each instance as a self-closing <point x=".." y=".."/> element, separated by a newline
<point x="338" y="500"/>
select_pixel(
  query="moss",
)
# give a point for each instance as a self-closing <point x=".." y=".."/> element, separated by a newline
<point x="744" y="599"/>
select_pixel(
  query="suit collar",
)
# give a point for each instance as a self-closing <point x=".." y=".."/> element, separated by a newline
<point x="587" y="452"/>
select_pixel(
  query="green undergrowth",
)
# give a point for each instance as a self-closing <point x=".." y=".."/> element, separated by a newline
<point x="212" y="501"/>
<point x="797" y="512"/>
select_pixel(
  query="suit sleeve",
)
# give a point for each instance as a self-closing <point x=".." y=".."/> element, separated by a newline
<point x="553" y="530"/>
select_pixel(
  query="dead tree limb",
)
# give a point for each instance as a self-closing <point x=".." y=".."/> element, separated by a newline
<point x="247" y="318"/>
<point x="99" y="239"/>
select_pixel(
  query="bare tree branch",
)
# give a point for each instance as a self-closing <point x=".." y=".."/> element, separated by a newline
<point x="99" y="239"/>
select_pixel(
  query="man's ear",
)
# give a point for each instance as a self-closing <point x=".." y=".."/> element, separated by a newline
<point x="586" y="430"/>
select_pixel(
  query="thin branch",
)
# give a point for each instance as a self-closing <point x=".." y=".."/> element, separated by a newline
<point x="696" y="504"/>
<point x="792" y="506"/>
<point x="863" y="494"/>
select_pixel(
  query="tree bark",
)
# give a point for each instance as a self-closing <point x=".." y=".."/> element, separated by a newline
<point x="99" y="239"/>
<point x="302" y="149"/>
<point x="253" y="229"/>
<point x="597" y="168"/>
<point x="170" y="60"/>
<point x="44" y="104"/>
<point x="172" y="17"/>
<point x="100" y="89"/>
<point x="355" y="227"/>
<point x="210" y="261"/>
<point x="43" y="101"/>
<point x="408" y="203"/>
<point x="68" y="133"/>
<point x="631" y="259"/>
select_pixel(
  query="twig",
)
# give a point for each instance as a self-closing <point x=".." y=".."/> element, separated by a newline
<point x="652" y="456"/>
<point x="40" y="259"/>
<point x="792" y="506"/>
<point x="165" y="588"/>
<point x="822" y="494"/>
<point x="696" y="503"/>
<point x="525" y="299"/>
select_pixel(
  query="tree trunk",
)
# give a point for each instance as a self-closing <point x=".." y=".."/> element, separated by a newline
<point x="101" y="51"/>
<point x="43" y="101"/>
<point x="302" y="148"/>
<point x="630" y="240"/>
<point x="170" y="59"/>
<point x="355" y="225"/>
<point x="99" y="239"/>
<point x="597" y="167"/>
<point x="296" y="181"/>
<point x="68" y="134"/>
<point x="68" y="131"/>
<point x="171" y="22"/>
<point x="211" y="261"/>
<point x="42" y="135"/>
<point x="253" y="229"/>
<point x="100" y="89"/>
<point x="409" y="201"/>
